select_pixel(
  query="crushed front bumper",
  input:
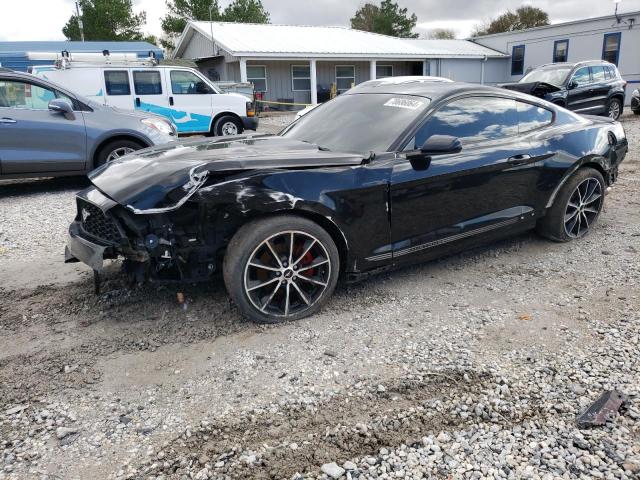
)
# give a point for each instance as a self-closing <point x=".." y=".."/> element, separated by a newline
<point x="79" y="249"/>
<point x="249" y="123"/>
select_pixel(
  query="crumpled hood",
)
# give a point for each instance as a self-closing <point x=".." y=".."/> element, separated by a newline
<point x="143" y="180"/>
<point x="537" y="89"/>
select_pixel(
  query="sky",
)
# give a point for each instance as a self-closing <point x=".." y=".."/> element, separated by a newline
<point x="44" y="19"/>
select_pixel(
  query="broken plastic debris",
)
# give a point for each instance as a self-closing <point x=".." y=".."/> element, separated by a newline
<point x="602" y="409"/>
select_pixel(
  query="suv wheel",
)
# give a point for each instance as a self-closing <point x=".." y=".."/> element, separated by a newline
<point x="614" y="109"/>
<point x="280" y="268"/>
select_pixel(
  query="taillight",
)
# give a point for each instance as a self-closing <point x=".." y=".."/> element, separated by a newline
<point x="251" y="111"/>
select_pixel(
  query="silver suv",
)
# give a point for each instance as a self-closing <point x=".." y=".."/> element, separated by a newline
<point x="47" y="131"/>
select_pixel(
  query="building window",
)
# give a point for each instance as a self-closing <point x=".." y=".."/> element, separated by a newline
<point x="117" y="82"/>
<point x="300" y="78"/>
<point x="383" y="71"/>
<point x="560" y="50"/>
<point x="611" y="47"/>
<point x="257" y="74"/>
<point x="345" y="77"/>
<point x="517" y="60"/>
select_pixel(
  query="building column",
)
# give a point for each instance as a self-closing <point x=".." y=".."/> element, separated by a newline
<point x="425" y="67"/>
<point x="314" y="82"/>
<point x="243" y="70"/>
<point x="372" y="70"/>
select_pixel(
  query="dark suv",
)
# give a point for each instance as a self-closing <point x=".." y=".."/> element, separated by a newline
<point x="592" y="87"/>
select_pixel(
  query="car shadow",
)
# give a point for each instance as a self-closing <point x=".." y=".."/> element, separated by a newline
<point x="17" y="187"/>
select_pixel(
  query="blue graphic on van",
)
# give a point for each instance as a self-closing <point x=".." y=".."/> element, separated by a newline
<point x="185" y="122"/>
<point x="100" y="93"/>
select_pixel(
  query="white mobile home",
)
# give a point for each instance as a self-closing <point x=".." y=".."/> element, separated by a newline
<point x="615" y="38"/>
<point x="299" y="64"/>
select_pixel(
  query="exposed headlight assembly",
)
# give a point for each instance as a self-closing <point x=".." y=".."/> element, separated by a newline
<point x="162" y="126"/>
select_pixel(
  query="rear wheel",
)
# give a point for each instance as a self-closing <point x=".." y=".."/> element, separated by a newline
<point x="116" y="149"/>
<point x="614" y="108"/>
<point x="227" y="125"/>
<point x="281" y="268"/>
<point x="576" y="207"/>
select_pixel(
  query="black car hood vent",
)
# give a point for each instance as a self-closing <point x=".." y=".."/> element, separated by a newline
<point x="141" y="181"/>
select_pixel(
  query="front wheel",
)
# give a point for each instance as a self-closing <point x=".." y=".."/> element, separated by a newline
<point x="614" y="109"/>
<point x="281" y="268"/>
<point x="116" y="149"/>
<point x="227" y="125"/>
<point x="576" y="207"/>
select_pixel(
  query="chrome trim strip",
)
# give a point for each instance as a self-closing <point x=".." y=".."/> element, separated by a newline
<point x="442" y="241"/>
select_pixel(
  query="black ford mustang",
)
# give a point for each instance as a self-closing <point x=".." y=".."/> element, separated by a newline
<point x="383" y="175"/>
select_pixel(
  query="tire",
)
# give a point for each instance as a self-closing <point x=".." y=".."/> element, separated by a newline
<point x="636" y="112"/>
<point x="227" y="125"/>
<point x="259" y="293"/>
<point x="106" y="153"/>
<point x="614" y="109"/>
<point x="557" y="224"/>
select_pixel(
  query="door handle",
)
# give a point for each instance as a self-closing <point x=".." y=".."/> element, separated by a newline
<point x="137" y="102"/>
<point x="519" y="159"/>
<point x="7" y="120"/>
<point x="171" y="101"/>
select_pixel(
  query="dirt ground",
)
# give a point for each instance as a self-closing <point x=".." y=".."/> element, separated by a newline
<point x="129" y="383"/>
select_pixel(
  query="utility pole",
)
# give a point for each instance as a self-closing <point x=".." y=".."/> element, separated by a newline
<point x="213" y="47"/>
<point x="80" y="22"/>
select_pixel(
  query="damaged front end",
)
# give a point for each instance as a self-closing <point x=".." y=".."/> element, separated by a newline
<point x="537" y="89"/>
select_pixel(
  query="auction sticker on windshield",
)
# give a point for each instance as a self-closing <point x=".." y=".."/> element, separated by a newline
<point x="408" y="103"/>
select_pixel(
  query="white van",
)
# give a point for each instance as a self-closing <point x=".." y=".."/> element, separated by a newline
<point x="181" y="94"/>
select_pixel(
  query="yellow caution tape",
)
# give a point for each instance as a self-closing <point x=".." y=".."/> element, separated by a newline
<point x="284" y="103"/>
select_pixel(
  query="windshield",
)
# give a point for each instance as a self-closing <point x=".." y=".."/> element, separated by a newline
<point x="554" y="77"/>
<point x="359" y="123"/>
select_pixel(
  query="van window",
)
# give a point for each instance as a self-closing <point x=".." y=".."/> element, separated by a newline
<point x="187" y="83"/>
<point x="117" y="82"/>
<point x="147" y="82"/>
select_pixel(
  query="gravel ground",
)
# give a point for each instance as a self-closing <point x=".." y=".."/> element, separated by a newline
<point x="474" y="366"/>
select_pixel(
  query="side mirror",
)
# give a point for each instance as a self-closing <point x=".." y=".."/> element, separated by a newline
<point x="60" y="105"/>
<point x="572" y="84"/>
<point x="202" y="88"/>
<point x="434" y="145"/>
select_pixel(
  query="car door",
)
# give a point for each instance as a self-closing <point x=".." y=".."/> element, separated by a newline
<point x="34" y="139"/>
<point x="190" y="101"/>
<point x="149" y="94"/>
<point x="579" y="96"/>
<point x="599" y="89"/>
<point x="479" y="190"/>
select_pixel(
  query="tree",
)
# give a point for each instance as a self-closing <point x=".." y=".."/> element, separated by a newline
<point x="106" y="20"/>
<point x="388" y="19"/>
<point x="522" y="18"/>
<point x="442" y="34"/>
<point x="247" y="11"/>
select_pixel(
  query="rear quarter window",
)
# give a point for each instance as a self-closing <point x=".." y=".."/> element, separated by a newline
<point x="532" y="116"/>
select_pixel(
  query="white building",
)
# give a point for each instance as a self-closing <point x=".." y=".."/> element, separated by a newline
<point x="293" y="63"/>
<point x="615" y="38"/>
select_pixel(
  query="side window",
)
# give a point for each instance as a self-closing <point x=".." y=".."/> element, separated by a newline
<point x="597" y="73"/>
<point x="117" y="82"/>
<point x="147" y="82"/>
<point x="472" y="119"/>
<point x="560" y="51"/>
<point x="187" y="83"/>
<point x="531" y="116"/>
<point x="15" y="94"/>
<point x="301" y="78"/>
<point x="581" y="77"/>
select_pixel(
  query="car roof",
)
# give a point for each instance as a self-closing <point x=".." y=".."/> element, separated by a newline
<point x="431" y="90"/>
<point x="551" y="66"/>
